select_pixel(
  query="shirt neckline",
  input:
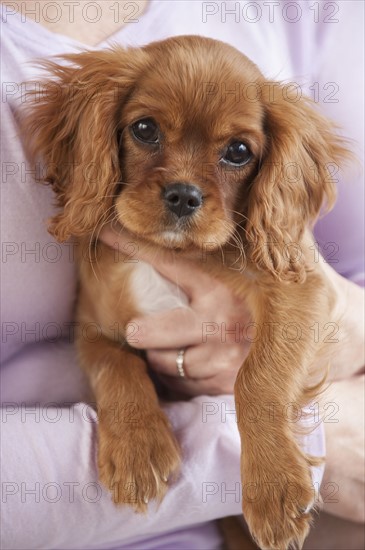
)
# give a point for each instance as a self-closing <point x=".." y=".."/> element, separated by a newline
<point x="43" y="34"/>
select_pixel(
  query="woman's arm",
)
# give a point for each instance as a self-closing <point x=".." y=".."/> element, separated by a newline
<point x="214" y="364"/>
<point x="343" y="486"/>
<point x="51" y="496"/>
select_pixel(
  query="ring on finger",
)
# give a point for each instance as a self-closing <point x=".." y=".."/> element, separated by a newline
<point x="180" y="363"/>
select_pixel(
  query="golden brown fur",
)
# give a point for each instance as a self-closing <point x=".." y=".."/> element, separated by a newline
<point x="99" y="171"/>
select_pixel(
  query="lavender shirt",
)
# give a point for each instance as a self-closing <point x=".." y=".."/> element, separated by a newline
<point x="51" y="498"/>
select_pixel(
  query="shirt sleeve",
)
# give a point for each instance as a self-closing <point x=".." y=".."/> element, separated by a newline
<point x="337" y="87"/>
<point x="51" y="496"/>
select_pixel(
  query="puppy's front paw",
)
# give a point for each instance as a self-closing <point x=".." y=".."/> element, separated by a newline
<point x="277" y="511"/>
<point x="136" y="461"/>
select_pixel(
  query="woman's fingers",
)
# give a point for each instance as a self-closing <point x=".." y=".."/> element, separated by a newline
<point x="184" y="273"/>
<point x="215" y="385"/>
<point x="187" y="275"/>
<point x="172" y="329"/>
<point x="196" y="364"/>
<point x="200" y="361"/>
<point x="210" y="330"/>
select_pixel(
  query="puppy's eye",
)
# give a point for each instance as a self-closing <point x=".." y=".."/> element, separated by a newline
<point x="146" y="130"/>
<point x="237" y="153"/>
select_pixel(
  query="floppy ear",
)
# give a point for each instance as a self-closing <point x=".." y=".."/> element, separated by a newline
<point x="293" y="182"/>
<point x="72" y="123"/>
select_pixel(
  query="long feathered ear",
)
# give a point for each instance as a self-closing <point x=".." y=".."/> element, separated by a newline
<point x="293" y="182"/>
<point x="72" y="123"/>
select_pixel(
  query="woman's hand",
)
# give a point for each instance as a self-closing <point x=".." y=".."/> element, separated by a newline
<point x="213" y="329"/>
<point x="215" y="351"/>
<point x="348" y="357"/>
<point x="210" y="329"/>
<point x="343" y="485"/>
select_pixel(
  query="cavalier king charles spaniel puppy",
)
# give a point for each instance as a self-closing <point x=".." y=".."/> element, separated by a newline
<point x="154" y="139"/>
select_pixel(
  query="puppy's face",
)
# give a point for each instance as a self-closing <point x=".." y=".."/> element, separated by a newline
<point x="189" y="149"/>
<point x="187" y="143"/>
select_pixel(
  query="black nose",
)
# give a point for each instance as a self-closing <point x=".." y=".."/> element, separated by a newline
<point x="182" y="199"/>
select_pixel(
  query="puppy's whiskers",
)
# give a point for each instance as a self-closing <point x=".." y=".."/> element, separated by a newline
<point x="245" y="219"/>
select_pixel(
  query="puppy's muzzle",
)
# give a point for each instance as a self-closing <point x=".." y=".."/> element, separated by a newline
<point x="182" y="199"/>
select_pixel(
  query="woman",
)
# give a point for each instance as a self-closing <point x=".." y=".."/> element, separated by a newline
<point x="49" y="477"/>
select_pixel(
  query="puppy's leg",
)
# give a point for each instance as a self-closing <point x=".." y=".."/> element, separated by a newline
<point x="277" y="485"/>
<point x="137" y="451"/>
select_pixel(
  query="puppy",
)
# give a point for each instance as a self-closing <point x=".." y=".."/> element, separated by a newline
<point x="151" y="139"/>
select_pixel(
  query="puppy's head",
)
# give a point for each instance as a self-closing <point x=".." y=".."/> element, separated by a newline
<point x="184" y="143"/>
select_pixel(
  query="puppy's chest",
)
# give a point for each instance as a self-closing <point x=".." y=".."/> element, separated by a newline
<point x="152" y="292"/>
